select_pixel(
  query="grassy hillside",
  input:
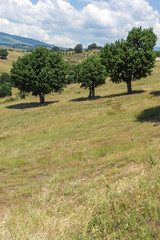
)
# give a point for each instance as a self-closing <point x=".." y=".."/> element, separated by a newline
<point x="6" y="64"/>
<point x="82" y="169"/>
<point x="13" y="40"/>
<point x="10" y="41"/>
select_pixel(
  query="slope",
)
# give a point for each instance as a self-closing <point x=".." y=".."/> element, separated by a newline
<point x="82" y="169"/>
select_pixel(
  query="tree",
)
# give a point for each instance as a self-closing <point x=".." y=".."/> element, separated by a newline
<point x="55" y="49"/>
<point x="92" y="46"/>
<point x="71" y="72"/>
<point x="78" y="48"/>
<point x="130" y="60"/>
<point x="40" y="72"/>
<point x="70" y="50"/>
<point x="157" y="53"/>
<point x="5" y="89"/>
<point x="5" y="77"/>
<point x="3" y="53"/>
<point x="91" y="74"/>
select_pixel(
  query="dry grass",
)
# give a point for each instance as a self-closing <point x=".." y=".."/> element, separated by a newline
<point x="5" y="64"/>
<point x="82" y="169"/>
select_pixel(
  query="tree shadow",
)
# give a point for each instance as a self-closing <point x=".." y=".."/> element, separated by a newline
<point x="30" y="105"/>
<point x="155" y="93"/>
<point x="85" y="99"/>
<point x="149" y="115"/>
<point x="125" y="94"/>
<point x="108" y="96"/>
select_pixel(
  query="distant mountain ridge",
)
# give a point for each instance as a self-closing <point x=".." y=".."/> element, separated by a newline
<point x="14" y="41"/>
<point x="156" y="48"/>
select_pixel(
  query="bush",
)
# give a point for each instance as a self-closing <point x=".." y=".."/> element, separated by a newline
<point x="3" y="53"/>
<point x="5" y="90"/>
<point x="11" y="99"/>
<point x="5" y="77"/>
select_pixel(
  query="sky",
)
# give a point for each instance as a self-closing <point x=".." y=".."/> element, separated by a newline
<point x="66" y="23"/>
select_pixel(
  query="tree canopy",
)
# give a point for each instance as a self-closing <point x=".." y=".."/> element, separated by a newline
<point x="92" y="46"/>
<point x="39" y="73"/>
<point x="3" y="53"/>
<point x="130" y="59"/>
<point x="90" y="74"/>
<point x="5" y="89"/>
<point x="78" y="48"/>
<point x="5" y="77"/>
<point x="55" y="49"/>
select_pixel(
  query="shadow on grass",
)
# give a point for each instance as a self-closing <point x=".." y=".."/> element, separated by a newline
<point x="29" y="105"/>
<point x="149" y="115"/>
<point x="155" y="93"/>
<point x="108" y="96"/>
<point x="85" y="99"/>
<point x="124" y="94"/>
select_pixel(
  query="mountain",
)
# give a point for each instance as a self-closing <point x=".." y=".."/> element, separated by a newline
<point x="8" y="40"/>
<point x="156" y="48"/>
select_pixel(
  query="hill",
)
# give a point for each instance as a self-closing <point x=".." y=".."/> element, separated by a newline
<point x="82" y="169"/>
<point x="10" y="41"/>
<point x="6" y="64"/>
<point x="156" y="48"/>
<point x="70" y="57"/>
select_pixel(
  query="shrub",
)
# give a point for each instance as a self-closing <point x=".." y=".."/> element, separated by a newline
<point x="5" y="90"/>
<point x="11" y="99"/>
<point x="5" y="77"/>
<point x="3" y="53"/>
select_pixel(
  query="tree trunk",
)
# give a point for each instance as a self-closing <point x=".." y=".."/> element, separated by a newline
<point x="42" y="98"/>
<point x="90" y="93"/>
<point x="93" y="92"/>
<point x="129" y="87"/>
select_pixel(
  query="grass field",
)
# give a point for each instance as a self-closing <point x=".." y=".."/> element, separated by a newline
<point x="6" y="64"/>
<point x="79" y="169"/>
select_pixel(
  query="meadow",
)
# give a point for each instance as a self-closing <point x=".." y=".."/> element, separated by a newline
<point x="6" y="64"/>
<point x="80" y="169"/>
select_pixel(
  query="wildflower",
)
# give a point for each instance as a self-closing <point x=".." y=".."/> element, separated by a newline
<point x="138" y="196"/>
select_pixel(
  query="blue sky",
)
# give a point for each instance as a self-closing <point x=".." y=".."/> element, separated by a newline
<point x="69" y="22"/>
<point x="155" y="4"/>
<point x="78" y="4"/>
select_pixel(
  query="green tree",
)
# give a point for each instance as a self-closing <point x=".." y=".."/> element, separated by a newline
<point x="40" y="73"/>
<point x="92" y="46"/>
<point x="55" y="49"/>
<point x="5" y="89"/>
<point x="5" y="77"/>
<point x="91" y="74"/>
<point x="70" y="50"/>
<point x="71" y="72"/>
<point x="130" y="60"/>
<point x="3" y="53"/>
<point x="157" y="53"/>
<point x="78" y="48"/>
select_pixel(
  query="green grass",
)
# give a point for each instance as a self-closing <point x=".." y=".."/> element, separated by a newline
<point x="82" y="169"/>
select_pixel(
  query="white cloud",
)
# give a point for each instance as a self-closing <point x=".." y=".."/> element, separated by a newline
<point x="58" y="22"/>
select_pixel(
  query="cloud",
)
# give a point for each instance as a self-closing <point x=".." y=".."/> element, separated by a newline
<point x="58" y="22"/>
